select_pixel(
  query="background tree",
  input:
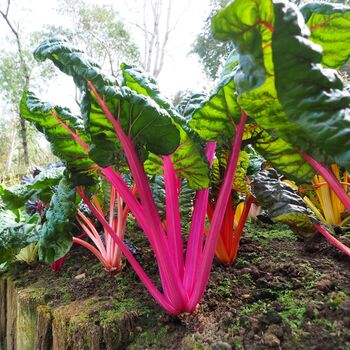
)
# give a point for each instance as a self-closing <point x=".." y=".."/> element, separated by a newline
<point x="99" y="31"/>
<point x="156" y="20"/>
<point x="212" y="53"/>
<point x="23" y="74"/>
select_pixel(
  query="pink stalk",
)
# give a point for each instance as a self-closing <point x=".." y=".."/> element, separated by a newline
<point x="119" y="184"/>
<point x="133" y="262"/>
<point x="173" y="214"/>
<point x="94" y="251"/>
<point x="94" y="236"/>
<point x="171" y="281"/>
<point x="218" y="216"/>
<point x="121" y="224"/>
<point x="329" y="177"/>
<point x="196" y="235"/>
<point x="109" y="242"/>
<point x="332" y="239"/>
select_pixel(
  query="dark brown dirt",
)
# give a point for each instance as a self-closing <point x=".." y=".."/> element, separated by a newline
<point x="282" y="293"/>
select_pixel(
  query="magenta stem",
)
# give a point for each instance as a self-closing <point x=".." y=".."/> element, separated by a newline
<point x="196" y="235"/>
<point x="329" y="177"/>
<point x="173" y="220"/>
<point x="218" y="215"/>
<point x="332" y="239"/>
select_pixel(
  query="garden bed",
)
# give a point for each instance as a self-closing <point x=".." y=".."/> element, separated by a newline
<point x="281" y="293"/>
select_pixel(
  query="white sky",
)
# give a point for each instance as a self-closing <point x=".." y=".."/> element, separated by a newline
<point x="180" y="71"/>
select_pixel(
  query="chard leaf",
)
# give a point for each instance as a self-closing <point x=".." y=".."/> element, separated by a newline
<point x="188" y="159"/>
<point x="57" y="232"/>
<point x="15" y="234"/>
<point x="63" y="145"/>
<point x="39" y="188"/>
<point x="312" y="97"/>
<point x="144" y="84"/>
<point x="214" y="120"/>
<point x="280" y="81"/>
<point x="143" y="120"/>
<point x="282" y="203"/>
<point x="186" y="198"/>
<point x="15" y="197"/>
<point x="329" y="25"/>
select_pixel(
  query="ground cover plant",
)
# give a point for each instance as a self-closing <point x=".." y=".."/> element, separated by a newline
<point x="274" y="93"/>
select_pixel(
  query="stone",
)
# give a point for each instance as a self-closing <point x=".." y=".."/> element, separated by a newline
<point x="220" y="345"/>
<point x="80" y="276"/>
<point x="271" y="340"/>
<point x="276" y="330"/>
<point x="324" y="284"/>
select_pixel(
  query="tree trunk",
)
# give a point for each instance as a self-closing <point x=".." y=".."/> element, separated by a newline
<point x="24" y="141"/>
<point x="12" y="149"/>
<point x="26" y="74"/>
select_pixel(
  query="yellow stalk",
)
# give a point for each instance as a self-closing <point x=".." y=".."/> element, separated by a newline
<point x="314" y="209"/>
<point x="238" y="213"/>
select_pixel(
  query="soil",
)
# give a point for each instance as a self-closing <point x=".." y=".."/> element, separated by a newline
<point x="282" y="293"/>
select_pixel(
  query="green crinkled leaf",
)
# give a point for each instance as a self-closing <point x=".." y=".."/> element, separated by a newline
<point x="144" y="84"/>
<point x="215" y="118"/>
<point x="255" y="162"/>
<point x="48" y="178"/>
<point x="15" y="234"/>
<point x="188" y="159"/>
<point x="297" y="106"/>
<point x="312" y="97"/>
<point x="74" y="63"/>
<point x="218" y="172"/>
<point x="240" y="183"/>
<point x="57" y="232"/>
<point x="329" y="25"/>
<point x="15" y="197"/>
<point x="214" y="121"/>
<point x="63" y="145"/>
<point x="282" y="202"/>
<point x="189" y="104"/>
<point x="40" y="188"/>
<point x="143" y="120"/>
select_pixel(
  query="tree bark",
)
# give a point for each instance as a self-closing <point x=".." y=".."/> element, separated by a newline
<point x="12" y="149"/>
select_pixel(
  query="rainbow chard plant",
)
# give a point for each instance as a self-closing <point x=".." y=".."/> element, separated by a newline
<point x="135" y="118"/>
<point x="107" y="251"/>
<point x="133" y="124"/>
<point x="287" y="82"/>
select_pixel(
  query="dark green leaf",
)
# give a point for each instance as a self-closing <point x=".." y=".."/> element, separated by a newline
<point x="145" y="122"/>
<point x="280" y="82"/>
<point x="282" y="202"/>
<point x="16" y="234"/>
<point x="56" y="233"/>
<point x="188" y="159"/>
